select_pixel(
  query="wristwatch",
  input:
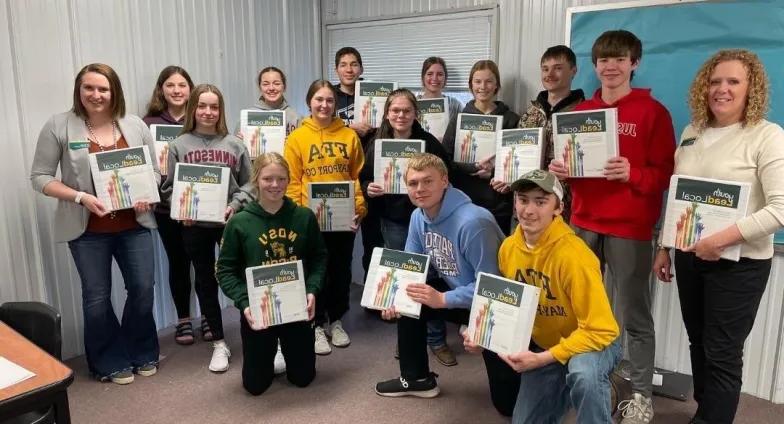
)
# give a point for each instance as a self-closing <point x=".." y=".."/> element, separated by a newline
<point x="78" y="198"/>
<point x="660" y="247"/>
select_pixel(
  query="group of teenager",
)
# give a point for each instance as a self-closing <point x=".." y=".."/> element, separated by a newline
<point x="587" y="243"/>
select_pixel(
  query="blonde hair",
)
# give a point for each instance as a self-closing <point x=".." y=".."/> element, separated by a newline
<point x="422" y="161"/>
<point x="757" y="101"/>
<point x="261" y="161"/>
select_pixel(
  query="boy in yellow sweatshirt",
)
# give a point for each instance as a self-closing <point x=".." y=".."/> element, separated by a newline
<point x="573" y="348"/>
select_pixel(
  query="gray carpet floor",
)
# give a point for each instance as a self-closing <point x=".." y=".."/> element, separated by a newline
<point x="185" y="391"/>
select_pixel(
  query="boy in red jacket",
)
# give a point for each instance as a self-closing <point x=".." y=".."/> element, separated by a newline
<point x="616" y="215"/>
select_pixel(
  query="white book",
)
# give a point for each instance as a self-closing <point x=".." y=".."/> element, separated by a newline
<point x="263" y="130"/>
<point x="12" y="373"/>
<point x="123" y="177"/>
<point x="389" y="273"/>
<point x="433" y="116"/>
<point x="475" y="136"/>
<point x="369" y="99"/>
<point x="390" y="161"/>
<point x="199" y="192"/>
<point x="276" y="293"/>
<point x="698" y="207"/>
<point x="163" y="135"/>
<point x="518" y="151"/>
<point x="502" y="313"/>
<point x="333" y="204"/>
<point x="585" y="140"/>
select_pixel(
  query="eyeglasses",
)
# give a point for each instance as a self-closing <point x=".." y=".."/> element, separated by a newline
<point x="398" y="112"/>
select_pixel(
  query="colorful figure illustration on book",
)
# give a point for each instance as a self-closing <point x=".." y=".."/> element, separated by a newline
<point x="189" y="203"/>
<point x="366" y="111"/>
<point x="689" y="227"/>
<point x="119" y="191"/>
<point x="393" y="177"/>
<point x="163" y="159"/>
<point x="258" y="143"/>
<point x="573" y="156"/>
<point x="270" y="308"/>
<point x="511" y="166"/>
<point x="468" y="148"/>
<point x="386" y="289"/>
<point x="324" y="215"/>
<point x="484" y="323"/>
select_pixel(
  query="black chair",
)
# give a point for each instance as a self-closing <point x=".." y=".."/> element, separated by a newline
<point x="39" y="323"/>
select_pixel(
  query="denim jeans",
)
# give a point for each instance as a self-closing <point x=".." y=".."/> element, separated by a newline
<point x="111" y="345"/>
<point x="546" y="393"/>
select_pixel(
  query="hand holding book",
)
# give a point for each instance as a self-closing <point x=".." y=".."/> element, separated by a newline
<point x="468" y="343"/>
<point x="426" y="295"/>
<point x="527" y="360"/>
<point x="617" y="169"/>
<point x="558" y="169"/>
<point x="375" y="190"/>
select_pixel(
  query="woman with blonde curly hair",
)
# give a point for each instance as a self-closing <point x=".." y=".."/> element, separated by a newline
<point x="728" y="139"/>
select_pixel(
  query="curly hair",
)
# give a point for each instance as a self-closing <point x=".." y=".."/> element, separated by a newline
<point x="757" y="101"/>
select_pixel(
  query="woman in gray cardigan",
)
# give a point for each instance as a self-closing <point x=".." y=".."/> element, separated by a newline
<point x="97" y="122"/>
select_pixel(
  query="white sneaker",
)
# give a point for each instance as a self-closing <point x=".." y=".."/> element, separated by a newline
<point x="220" y="357"/>
<point x="322" y="345"/>
<point x="339" y="335"/>
<point x="280" y="363"/>
<point x="637" y="410"/>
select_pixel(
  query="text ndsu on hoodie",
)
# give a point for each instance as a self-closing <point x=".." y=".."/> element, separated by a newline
<point x="256" y="237"/>
<point x="316" y="154"/>
<point x="574" y="315"/>
<point x="646" y="138"/>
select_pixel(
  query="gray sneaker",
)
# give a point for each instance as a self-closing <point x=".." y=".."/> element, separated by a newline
<point x="122" y="377"/>
<point x="322" y="345"/>
<point x="339" y="335"/>
<point x="637" y="410"/>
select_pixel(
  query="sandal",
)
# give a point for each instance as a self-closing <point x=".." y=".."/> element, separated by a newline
<point x="183" y="333"/>
<point x="206" y="331"/>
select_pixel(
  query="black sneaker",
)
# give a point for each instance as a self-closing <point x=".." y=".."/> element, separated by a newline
<point x="424" y="388"/>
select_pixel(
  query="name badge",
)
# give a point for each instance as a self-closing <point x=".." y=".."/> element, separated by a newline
<point x="78" y="144"/>
<point x="688" y="142"/>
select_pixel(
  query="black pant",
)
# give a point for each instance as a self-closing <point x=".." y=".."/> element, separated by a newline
<point x="371" y="235"/>
<point x="332" y="301"/>
<point x="412" y="343"/>
<point x="179" y="264"/>
<point x="200" y="243"/>
<point x="259" y="349"/>
<point x="719" y="301"/>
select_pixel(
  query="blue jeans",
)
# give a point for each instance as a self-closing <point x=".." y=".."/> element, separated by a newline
<point x="114" y="346"/>
<point x="546" y="393"/>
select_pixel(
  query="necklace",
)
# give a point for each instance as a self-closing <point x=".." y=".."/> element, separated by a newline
<point x="97" y="141"/>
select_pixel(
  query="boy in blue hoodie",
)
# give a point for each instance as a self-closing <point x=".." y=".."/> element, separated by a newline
<point x="461" y="239"/>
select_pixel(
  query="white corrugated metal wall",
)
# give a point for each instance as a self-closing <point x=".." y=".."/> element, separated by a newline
<point x="525" y="29"/>
<point x="42" y="47"/>
<point x="46" y="42"/>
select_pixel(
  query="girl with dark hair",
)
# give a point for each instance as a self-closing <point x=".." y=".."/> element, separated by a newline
<point x="272" y="87"/>
<point x="434" y="77"/>
<point x="167" y="107"/>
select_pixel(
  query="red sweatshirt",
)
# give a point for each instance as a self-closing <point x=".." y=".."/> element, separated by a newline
<point x="646" y="138"/>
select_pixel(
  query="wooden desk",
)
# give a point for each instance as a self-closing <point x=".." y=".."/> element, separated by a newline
<point x="48" y="387"/>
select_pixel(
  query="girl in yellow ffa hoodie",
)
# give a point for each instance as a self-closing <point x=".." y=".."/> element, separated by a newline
<point x="323" y="149"/>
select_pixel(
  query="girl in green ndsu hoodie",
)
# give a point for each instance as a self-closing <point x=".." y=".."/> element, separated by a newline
<point x="272" y="230"/>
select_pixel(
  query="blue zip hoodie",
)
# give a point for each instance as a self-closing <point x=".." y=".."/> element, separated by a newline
<point x="461" y="241"/>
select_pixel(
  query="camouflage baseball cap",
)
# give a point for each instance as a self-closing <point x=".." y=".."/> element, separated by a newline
<point x="542" y="179"/>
